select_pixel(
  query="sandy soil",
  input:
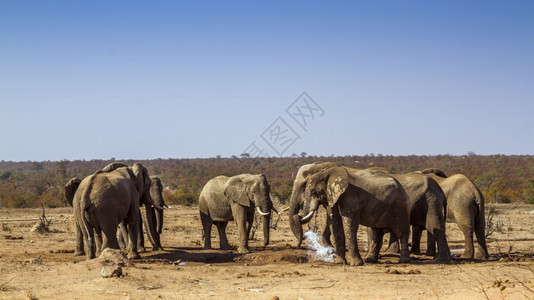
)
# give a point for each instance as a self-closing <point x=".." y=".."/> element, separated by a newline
<point x="41" y="265"/>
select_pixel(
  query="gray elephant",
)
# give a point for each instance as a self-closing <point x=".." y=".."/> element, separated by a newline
<point x="375" y="201"/>
<point x="104" y="199"/>
<point x="465" y="207"/>
<point x="236" y="198"/>
<point x="427" y="205"/>
<point x="152" y="220"/>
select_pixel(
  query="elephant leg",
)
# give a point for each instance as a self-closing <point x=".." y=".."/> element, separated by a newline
<point x="123" y="236"/>
<point x="417" y="231"/>
<point x="133" y="231"/>
<point x="327" y="233"/>
<point x="90" y="241"/>
<point x="206" y="227"/>
<point x="351" y="229"/>
<point x="376" y="244"/>
<point x="243" y="234"/>
<point x="140" y="236"/>
<point x="339" y="236"/>
<point x="79" y="240"/>
<point x="444" y="253"/>
<point x="98" y="242"/>
<point x="430" y="244"/>
<point x="223" y="240"/>
<point x="467" y="230"/>
<point x="250" y="222"/>
<point x="393" y="246"/>
<point x="404" y="235"/>
<point x="482" y="251"/>
<point x="110" y="238"/>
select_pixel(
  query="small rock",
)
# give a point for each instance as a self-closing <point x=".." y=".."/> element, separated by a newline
<point x="115" y="257"/>
<point x="111" y="271"/>
<point x="37" y="261"/>
<point x="275" y="298"/>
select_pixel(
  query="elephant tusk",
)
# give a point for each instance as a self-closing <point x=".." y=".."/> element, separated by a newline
<point x="284" y="210"/>
<point x="262" y="213"/>
<point x="307" y="217"/>
<point x="276" y="211"/>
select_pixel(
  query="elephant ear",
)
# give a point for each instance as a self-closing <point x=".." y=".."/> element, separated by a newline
<point x="235" y="189"/>
<point x="139" y="172"/>
<point x="316" y="183"/>
<point x="70" y="189"/>
<point x="338" y="182"/>
<point x="334" y="181"/>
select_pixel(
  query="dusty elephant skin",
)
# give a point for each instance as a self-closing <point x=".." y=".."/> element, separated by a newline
<point x="236" y="198"/>
<point x="104" y="199"/>
<point x="465" y="207"/>
<point x="376" y="201"/>
<point x="152" y="220"/>
<point x="427" y="204"/>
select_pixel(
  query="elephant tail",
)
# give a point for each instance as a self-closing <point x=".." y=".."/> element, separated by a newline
<point x="480" y="222"/>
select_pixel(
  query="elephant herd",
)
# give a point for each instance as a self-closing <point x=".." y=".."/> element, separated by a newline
<point x="109" y="201"/>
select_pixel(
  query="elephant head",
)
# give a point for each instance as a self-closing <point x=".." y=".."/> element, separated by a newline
<point x="141" y="180"/>
<point x="70" y="189"/>
<point x="298" y="199"/>
<point x="252" y="191"/>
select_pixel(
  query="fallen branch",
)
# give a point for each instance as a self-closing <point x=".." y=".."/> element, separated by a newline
<point x="323" y="287"/>
<point x="4" y="285"/>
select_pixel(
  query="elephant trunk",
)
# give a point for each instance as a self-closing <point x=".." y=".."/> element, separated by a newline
<point x="159" y="221"/>
<point x="294" y="220"/>
<point x="266" y="228"/>
<point x="155" y="193"/>
<point x="149" y="221"/>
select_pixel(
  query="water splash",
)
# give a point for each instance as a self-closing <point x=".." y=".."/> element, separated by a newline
<point x="316" y="249"/>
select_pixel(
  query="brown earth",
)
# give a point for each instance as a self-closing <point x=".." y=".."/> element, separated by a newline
<point x="41" y="265"/>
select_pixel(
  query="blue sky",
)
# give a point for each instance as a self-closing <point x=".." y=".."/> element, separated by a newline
<point x="187" y="79"/>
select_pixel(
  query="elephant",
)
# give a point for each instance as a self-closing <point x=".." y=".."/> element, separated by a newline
<point x="465" y="207"/>
<point x="427" y="205"/>
<point x="152" y="220"/>
<point x="225" y="199"/>
<point x="104" y="199"/>
<point x="376" y="201"/>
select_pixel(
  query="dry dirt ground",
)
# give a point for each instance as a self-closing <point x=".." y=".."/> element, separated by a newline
<point x="41" y="265"/>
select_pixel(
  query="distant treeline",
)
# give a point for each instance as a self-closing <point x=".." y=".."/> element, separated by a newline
<point x="501" y="178"/>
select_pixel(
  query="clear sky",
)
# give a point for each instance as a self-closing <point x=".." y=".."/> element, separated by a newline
<point x="187" y="79"/>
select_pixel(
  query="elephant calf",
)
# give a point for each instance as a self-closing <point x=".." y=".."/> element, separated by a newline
<point x="225" y="199"/>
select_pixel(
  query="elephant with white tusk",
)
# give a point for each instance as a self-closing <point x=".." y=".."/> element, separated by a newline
<point x="376" y="201"/>
<point x="236" y="198"/>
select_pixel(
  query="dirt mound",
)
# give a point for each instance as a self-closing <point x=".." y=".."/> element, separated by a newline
<point x="273" y="256"/>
